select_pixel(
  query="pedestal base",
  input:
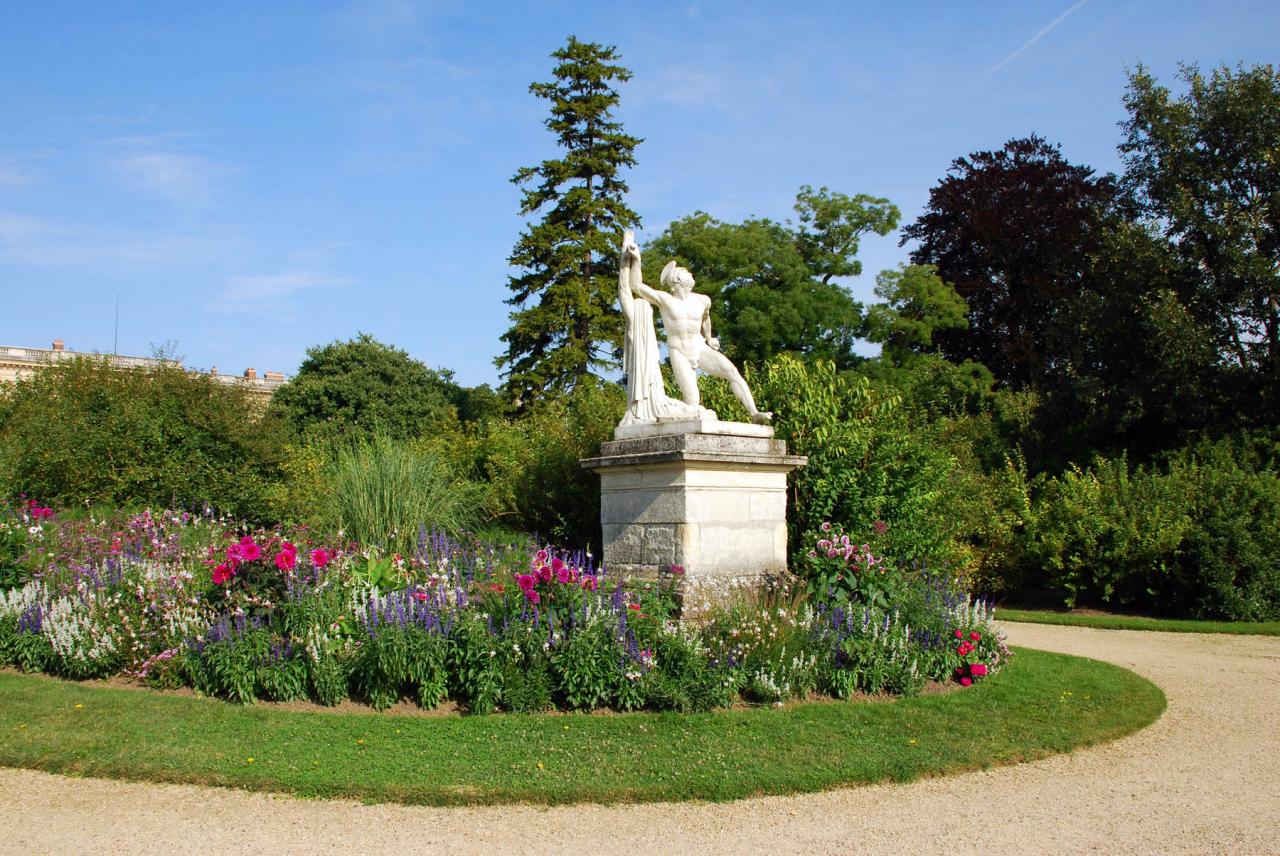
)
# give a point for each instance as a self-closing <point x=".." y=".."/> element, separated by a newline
<point x="714" y="504"/>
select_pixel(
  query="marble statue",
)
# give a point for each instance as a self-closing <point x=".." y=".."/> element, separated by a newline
<point x="647" y="399"/>
<point x="690" y="344"/>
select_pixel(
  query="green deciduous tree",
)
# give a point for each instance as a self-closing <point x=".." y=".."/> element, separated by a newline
<point x="771" y="284"/>
<point x="917" y="304"/>
<point x="363" y="387"/>
<point x="1207" y="166"/>
<point x="566" y="326"/>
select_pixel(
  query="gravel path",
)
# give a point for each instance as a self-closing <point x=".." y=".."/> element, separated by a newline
<point x="1205" y="778"/>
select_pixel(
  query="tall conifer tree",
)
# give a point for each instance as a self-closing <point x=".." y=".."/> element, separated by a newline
<point x="566" y="326"/>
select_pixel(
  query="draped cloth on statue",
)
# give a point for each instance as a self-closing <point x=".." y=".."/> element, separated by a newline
<point x="647" y="400"/>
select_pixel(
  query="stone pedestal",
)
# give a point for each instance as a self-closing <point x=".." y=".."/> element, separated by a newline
<point x="712" y="500"/>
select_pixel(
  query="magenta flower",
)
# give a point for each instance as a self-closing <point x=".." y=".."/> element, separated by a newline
<point x="320" y="557"/>
<point x="249" y="550"/>
<point x="533" y="596"/>
<point x="562" y="573"/>
<point x="222" y="573"/>
<point x="545" y="574"/>
<point x="286" y="560"/>
<point x="540" y="557"/>
<point x="826" y="526"/>
<point x="526" y="582"/>
<point x="964" y="682"/>
<point x="978" y="669"/>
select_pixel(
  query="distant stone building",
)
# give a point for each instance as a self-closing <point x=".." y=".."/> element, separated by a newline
<point x="18" y="363"/>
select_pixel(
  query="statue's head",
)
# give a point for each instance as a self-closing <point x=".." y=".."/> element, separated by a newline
<point x="676" y="279"/>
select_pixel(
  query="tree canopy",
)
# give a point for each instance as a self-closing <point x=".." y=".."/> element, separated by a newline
<point x="1206" y="167"/>
<point x="566" y="325"/>
<point x="364" y="387"/>
<point x="771" y="284"/>
<point x="1013" y="230"/>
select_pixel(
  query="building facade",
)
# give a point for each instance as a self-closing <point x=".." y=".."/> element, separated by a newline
<point x="17" y="363"/>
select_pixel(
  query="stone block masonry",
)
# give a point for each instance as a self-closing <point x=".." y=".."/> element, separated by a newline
<point x="711" y="502"/>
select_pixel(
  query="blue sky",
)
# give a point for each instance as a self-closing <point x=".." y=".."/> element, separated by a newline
<point x="253" y="179"/>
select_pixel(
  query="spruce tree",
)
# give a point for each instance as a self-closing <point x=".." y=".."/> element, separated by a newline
<point x="566" y="325"/>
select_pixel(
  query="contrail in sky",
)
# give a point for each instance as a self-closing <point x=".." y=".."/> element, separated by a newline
<point x="1037" y="37"/>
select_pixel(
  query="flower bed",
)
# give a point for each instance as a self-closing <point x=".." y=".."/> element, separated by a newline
<point x="179" y="599"/>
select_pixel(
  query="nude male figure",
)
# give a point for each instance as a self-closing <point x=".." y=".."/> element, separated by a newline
<point x="690" y="343"/>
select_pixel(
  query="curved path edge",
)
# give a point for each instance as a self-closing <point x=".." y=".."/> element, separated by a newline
<point x="1204" y="778"/>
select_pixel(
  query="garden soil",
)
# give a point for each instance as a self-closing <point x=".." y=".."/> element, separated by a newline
<point x="1205" y="778"/>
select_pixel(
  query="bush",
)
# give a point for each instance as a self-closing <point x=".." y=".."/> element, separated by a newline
<point x="532" y="464"/>
<point x="869" y="460"/>
<point x="84" y="432"/>
<point x="1192" y="536"/>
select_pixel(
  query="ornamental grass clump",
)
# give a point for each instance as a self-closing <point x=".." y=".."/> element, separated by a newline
<point x="380" y="492"/>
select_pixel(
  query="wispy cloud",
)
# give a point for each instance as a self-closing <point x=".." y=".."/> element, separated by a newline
<point x="12" y="174"/>
<point x="274" y="293"/>
<point x="1037" y="37"/>
<point x="44" y="242"/>
<point x="183" y="180"/>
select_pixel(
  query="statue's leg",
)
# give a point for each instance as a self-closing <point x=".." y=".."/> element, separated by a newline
<point x="686" y="379"/>
<point x="717" y="364"/>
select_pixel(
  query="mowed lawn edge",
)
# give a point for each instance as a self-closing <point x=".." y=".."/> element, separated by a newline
<point x="1137" y="622"/>
<point x="1041" y="704"/>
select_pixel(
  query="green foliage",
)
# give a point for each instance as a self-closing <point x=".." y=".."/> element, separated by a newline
<point x="841" y="571"/>
<point x="770" y="284"/>
<point x="381" y="491"/>
<point x="532" y="464"/>
<point x="1191" y="537"/>
<point x="1205" y="166"/>
<point x="475" y="669"/>
<point x="230" y="667"/>
<point x="585" y="667"/>
<point x="917" y="303"/>
<point x="83" y="431"/>
<point x="869" y="460"/>
<point x="832" y="226"/>
<point x="573" y="328"/>
<point x="872" y="656"/>
<point x="362" y="387"/>
<point x="401" y="661"/>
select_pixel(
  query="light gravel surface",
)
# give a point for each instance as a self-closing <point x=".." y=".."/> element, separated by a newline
<point x="1205" y="778"/>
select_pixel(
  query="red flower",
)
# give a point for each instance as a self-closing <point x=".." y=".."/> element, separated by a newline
<point x="633" y="606"/>
<point x="964" y="682"/>
<point x="589" y="583"/>
<point x="420" y="595"/>
<point x="498" y="587"/>
<point x="959" y="633"/>
<point x="222" y="573"/>
<point x="975" y="636"/>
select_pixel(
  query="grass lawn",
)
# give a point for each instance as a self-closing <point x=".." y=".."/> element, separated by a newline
<point x="1039" y="705"/>
<point x="1135" y="622"/>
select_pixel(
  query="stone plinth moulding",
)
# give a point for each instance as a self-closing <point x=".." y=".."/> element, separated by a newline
<point x="708" y="497"/>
